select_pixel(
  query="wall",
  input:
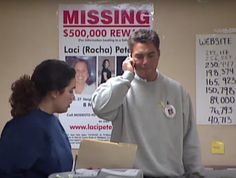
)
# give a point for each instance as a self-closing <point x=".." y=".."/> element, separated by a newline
<point x="29" y="34"/>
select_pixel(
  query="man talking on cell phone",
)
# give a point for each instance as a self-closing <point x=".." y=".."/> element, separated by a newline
<point x="151" y="110"/>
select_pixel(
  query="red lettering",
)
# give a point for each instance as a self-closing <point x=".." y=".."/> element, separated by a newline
<point x="92" y="14"/>
<point x="83" y="16"/>
<point x="143" y="17"/>
<point x="73" y="19"/>
<point x="125" y="17"/>
<point x="106" y="17"/>
<point x="117" y="17"/>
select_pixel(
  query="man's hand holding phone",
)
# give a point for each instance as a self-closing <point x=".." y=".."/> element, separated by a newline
<point x="129" y="64"/>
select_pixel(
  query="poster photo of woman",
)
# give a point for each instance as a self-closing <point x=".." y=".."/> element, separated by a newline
<point x="106" y="68"/>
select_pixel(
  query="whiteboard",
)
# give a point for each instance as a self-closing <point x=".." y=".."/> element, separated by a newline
<point x="216" y="79"/>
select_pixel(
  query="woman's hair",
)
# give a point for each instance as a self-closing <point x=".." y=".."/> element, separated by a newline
<point x="144" y="36"/>
<point x="49" y="75"/>
<point x="104" y="63"/>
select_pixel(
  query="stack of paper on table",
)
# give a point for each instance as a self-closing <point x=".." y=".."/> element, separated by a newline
<point x="100" y="173"/>
<point x="104" y="154"/>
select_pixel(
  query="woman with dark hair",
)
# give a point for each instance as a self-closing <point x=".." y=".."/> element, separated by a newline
<point x="106" y="72"/>
<point x="33" y="143"/>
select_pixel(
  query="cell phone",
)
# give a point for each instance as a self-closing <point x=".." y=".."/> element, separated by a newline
<point x="132" y="62"/>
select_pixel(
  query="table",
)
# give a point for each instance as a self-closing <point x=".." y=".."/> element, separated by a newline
<point x="100" y="173"/>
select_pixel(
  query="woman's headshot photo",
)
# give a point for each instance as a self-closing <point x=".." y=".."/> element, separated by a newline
<point x="85" y="68"/>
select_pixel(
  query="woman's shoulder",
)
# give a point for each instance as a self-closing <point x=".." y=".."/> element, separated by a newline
<point x="32" y="122"/>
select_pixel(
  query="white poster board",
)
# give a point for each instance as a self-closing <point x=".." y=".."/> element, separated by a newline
<point x="216" y="79"/>
<point x="93" y="33"/>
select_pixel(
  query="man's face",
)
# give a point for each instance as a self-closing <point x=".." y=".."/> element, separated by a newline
<point x="146" y="58"/>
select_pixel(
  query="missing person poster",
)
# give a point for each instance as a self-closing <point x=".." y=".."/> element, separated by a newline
<point x="93" y="40"/>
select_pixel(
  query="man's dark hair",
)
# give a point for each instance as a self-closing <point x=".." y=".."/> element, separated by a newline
<point x="144" y="36"/>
